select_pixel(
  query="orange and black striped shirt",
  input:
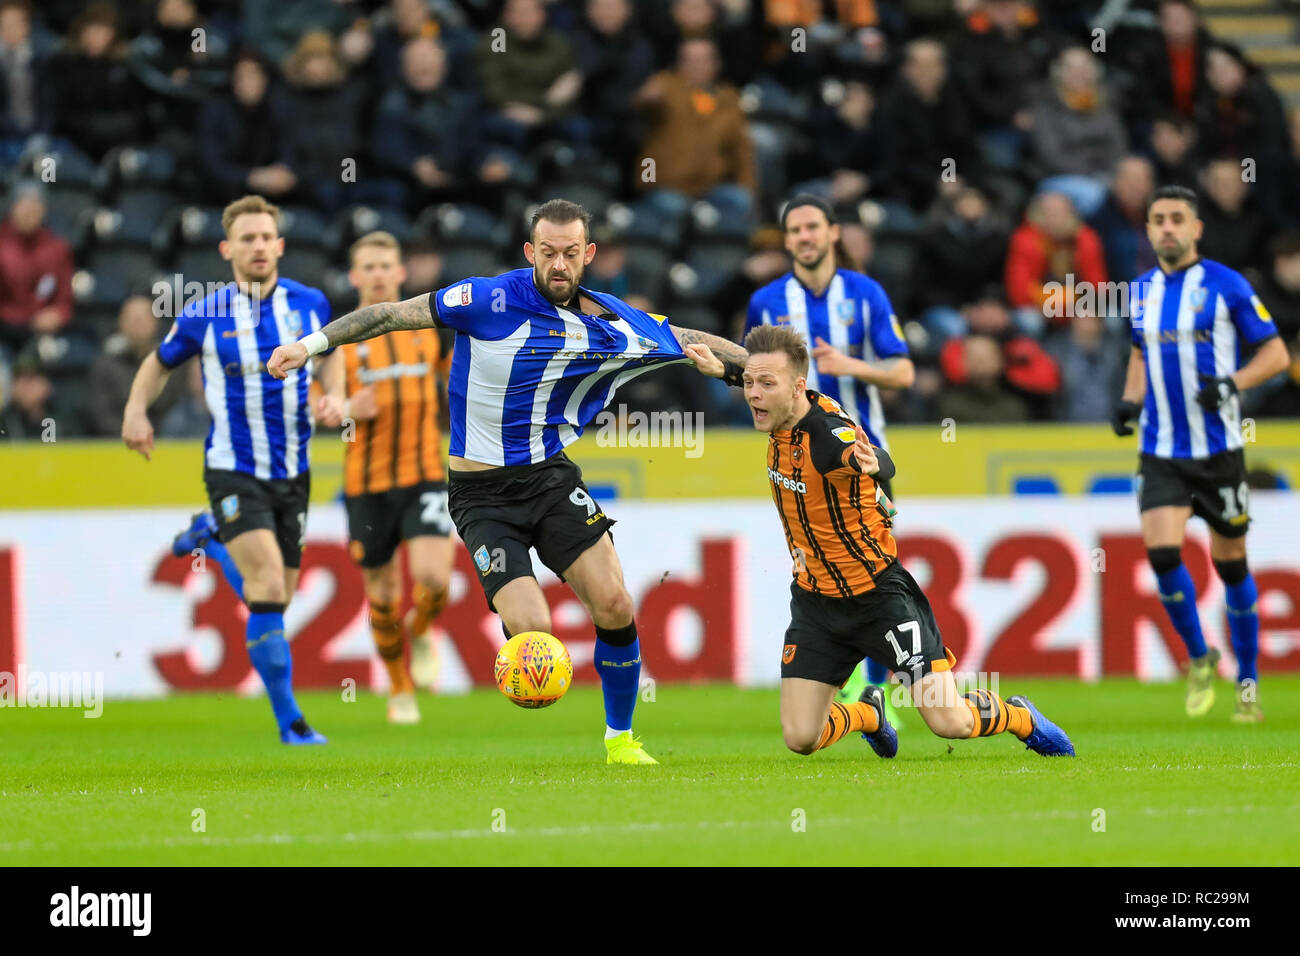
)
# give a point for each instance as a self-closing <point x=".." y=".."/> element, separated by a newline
<point x="837" y="521"/>
<point x="400" y="446"/>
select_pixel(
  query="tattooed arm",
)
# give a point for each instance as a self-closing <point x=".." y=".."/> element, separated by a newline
<point x="362" y="324"/>
<point x="731" y="355"/>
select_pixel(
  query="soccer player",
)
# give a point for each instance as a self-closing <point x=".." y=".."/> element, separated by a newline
<point x="256" y="464"/>
<point x="1191" y="318"/>
<point x="851" y="597"/>
<point x="393" y="483"/>
<point x="858" y="345"/>
<point x="537" y="357"/>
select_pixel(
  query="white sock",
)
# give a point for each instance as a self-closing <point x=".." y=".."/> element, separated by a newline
<point x="611" y="733"/>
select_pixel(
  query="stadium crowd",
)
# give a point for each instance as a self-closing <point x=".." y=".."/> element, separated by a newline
<point x="982" y="156"/>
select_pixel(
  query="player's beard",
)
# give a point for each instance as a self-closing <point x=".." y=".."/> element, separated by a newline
<point x="1171" y="258"/>
<point x="815" y="264"/>
<point x="553" y="296"/>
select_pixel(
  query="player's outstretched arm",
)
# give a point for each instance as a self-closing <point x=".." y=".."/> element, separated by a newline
<point x="365" y="323"/>
<point x="726" y="350"/>
<point x="137" y="432"/>
<point x="1135" y="389"/>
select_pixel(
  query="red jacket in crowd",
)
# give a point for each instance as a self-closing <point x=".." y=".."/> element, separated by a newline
<point x="35" y="273"/>
<point x="1034" y="258"/>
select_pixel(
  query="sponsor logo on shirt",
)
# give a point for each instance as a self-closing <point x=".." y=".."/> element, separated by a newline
<point x="458" y="295"/>
<point x="789" y="484"/>
<point x="845" y="434"/>
<point x="1260" y="310"/>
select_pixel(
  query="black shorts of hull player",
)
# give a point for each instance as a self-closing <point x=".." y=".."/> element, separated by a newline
<point x="851" y="598"/>
<point x="1192" y="316"/>
<point x="536" y="358"/>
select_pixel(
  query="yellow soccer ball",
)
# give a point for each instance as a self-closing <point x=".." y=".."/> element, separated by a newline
<point x="534" y="669"/>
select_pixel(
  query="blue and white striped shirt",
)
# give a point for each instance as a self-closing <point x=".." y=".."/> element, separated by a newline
<point x="527" y="375"/>
<point x="1191" y="323"/>
<point x="260" y="425"/>
<point x="854" y="315"/>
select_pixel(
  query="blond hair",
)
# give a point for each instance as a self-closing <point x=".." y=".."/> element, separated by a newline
<point x="780" y="338"/>
<point x="379" y="239"/>
<point x="248" y="204"/>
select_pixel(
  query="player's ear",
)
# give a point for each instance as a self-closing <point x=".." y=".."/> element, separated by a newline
<point x="1200" y="229"/>
<point x="354" y="279"/>
<point x="401" y="274"/>
<point x="223" y="247"/>
<point x="530" y="253"/>
<point x="590" y="254"/>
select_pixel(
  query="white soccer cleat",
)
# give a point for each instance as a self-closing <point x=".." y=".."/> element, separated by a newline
<point x="402" y="708"/>
<point x="424" y="661"/>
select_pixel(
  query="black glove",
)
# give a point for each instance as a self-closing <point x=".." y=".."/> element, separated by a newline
<point x="1216" y="392"/>
<point x="1124" y="413"/>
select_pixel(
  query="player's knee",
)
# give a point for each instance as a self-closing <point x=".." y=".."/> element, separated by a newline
<point x="382" y="593"/>
<point x="433" y="581"/>
<point x="1164" y="560"/>
<point x="800" y="741"/>
<point x="952" y="723"/>
<point x="1232" y="571"/>
<point x="265" y="583"/>
<point x="613" y="609"/>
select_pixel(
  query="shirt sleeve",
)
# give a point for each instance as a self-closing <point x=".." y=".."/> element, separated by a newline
<point x="885" y="331"/>
<point x="477" y="306"/>
<point x="753" y="317"/>
<point x="1247" y="312"/>
<point x="830" y="444"/>
<point x="183" y="341"/>
<point x="320" y="317"/>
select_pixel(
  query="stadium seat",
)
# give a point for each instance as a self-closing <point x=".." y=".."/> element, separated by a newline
<point x="67" y="209"/>
<point x="1035" y="485"/>
<point x="462" y="225"/>
<point x="708" y="223"/>
<point x="460" y="263"/>
<point x="56" y="163"/>
<point x="305" y="265"/>
<point x="1111" y="485"/>
<point x="201" y="264"/>
<point x="592" y="196"/>
<point x="892" y="265"/>
<point x="645" y="222"/>
<point x="134" y="264"/>
<point x="302" y="226"/>
<point x="93" y="292"/>
<point x="136" y="166"/>
<point x="144" y="208"/>
<point x="647" y="270"/>
<point x="689" y="315"/>
<point x="352" y="223"/>
<point x="709" y="267"/>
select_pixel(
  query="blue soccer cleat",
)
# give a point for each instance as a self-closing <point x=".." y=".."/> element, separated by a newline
<point x="885" y="740"/>
<point x="201" y="530"/>
<point x="1047" y="738"/>
<point x="299" y="733"/>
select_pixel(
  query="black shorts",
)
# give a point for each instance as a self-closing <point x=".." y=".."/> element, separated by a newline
<point x="380" y="521"/>
<point x="242" y="502"/>
<point x="892" y="624"/>
<point x="501" y="513"/>
<point x="1214" y="487"/>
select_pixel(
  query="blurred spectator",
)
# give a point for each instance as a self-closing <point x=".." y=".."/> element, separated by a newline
<point x="725" y="22"/>
<point x="1121" y="222"/>
<point x="115" y="368"/>
<point x="35" y="272"/>
<point x="182" y="60"/>
<point x="323" y="125"/>
<point x="426" y="130"/>
<point x="965" y="245"/>
<point x="276" y="27"/>
<point x="27" y="93"/>
<point x="1002" y="58"/>
<point x="528" y="77"/>
<point x="1239" y="115"/>
<point x="1279" y="178"/>
<point x="1280" y="288"/>
<point x="1077" y="134"/>
<point x="1172" y="147"/>
<point x="850" y="154"/>
<point x="1235" y="228"/>
<point x="100" y="101"/>
<point x="930" y="126"/>
<point x="245" y="147"/>
<point x="1025" y="367"/>
<point x="615" y="60"/>
<point x="405" y="20"/>
<point x="28" y="409"/>
<point x="608" y="271"/>
<point x="423" y="263"/>
<point x="698" y="136"/>
<point x="1053" y="246"/>
<point x="1092" y="364"/>
<point x="1167" y="67"/>
<point x="1280" y="397"/>
<point x="980" y="398"/>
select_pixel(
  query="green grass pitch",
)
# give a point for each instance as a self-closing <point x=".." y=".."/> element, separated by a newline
<point x="123" y="789"/>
